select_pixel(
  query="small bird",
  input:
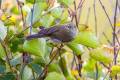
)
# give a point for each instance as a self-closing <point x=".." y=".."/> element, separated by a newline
<point x="58" y="33"/>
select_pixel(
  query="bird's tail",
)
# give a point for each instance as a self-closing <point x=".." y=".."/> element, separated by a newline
<point x="34" y="36"/>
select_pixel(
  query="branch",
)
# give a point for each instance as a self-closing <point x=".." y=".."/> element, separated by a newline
<point x="94" y="7"/>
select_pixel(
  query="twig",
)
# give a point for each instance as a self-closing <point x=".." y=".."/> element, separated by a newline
<point x="32" y="13"/>
<point x="6" y="53"/>
<point x="80" y="9"/>
<point x="107" y="39"/>
<point x="75" y="8"/>
<point x="94" y="7"/>
<point x="114" y="32"/>
<point x="106" y="13"/>
<point x="73" y="61"/>
<point x="87" y="18"/>
<point x="79" y="65"/>
<point x="0" y="3"/>
<point x="96" y="75"/>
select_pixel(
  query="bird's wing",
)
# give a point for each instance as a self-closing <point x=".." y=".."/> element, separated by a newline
<point x="48" y="31"/>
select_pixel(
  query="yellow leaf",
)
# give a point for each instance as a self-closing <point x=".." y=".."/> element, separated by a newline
<point x="3" y="17"/>
<point x="12" y="19"/>
<point x="74" y="72"/>
<point x="118" y="24"/>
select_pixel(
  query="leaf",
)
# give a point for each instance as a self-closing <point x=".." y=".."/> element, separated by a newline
<point x="87" y="38"/>
<point x="66" y="2"/>
<point x="2" y="52"/>
<point x="16" y="60"/>
<point x="15" y="44"/>
<point x="2" y="66"/>
<point x="15" y="10"/>
<point x="101" y="55"/>
<point x="27" y="73"/>
<point x="54" y="67"/>
<point x="36" y="68"/>
<point x="3" y="31"/>
<point x="54" y="76"/>
<point x="38" y="9"/>
<point x="64" y="66"/>
<point x="57" y="12"/>
<point x="89" y="69"/>
<point x="35" y="47"/>
<point x="77" y="48"/>
<point x="47" y="20"/>
<point x="115" y="70"/>
<point x="7" y="76"/>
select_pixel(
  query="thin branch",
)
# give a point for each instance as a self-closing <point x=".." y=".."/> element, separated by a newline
<point x="0" y="4"/>
<point x="87" y="18"/>
<point x="32" y="14"/>
<point x="94" y="7"/>
<point x="80" y="9"/>
<point x="106" y="13"/>
<point x="114" y="32"/>
<point x="6" y="53"/>
<point x="80" y="65"/>
<point x="75" y="8"/>
<point x="96" y="75"/>
<point x="107" y="39"/>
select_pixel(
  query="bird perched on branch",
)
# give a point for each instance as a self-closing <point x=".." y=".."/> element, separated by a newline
<point x="59" y="33"/>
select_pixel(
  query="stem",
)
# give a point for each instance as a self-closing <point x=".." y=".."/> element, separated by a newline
<point x="94" y="6"/>
<point x="80" y="9"/>
<point x="87" y="19"/>
<point x="114" y="36"/>
<point x="106" y="13"/>
<point x="75" y="8"/>
<point x="6" y="53"/>
<point x="107" y="39"/>
<point x="96" y="75"/>
<point x="114" y="31"/>
<point x="80" y="65"/>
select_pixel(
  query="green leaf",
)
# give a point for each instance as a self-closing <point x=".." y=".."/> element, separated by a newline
<point x="3" y="31"/>
<point x="8" y="76"/>
<point x="15" y="44"/>
<point x="64" y="66"/>
<point x="38" y="9"/>
<point x="89" y="69"/>
<point x="54" y="67"/>
<point x="36" y="68"/>
<point x="57" y="12"/>
<point x="2" y="66"/>
<point x="2" y="52"/>
<point x="16" y="60"/>
<point x="47" y="20"/>
<point x="70" y="77"/>
<point x="77" y="48"/>
<point x="101" y="55"/>
<point x="35" y="47"/>
<point x="87" y="38"/>
<point x="27" y="73"/>
<point x="115" y="70"/>
<point x="15" y="10"/>
<point x="54" y="76"/>
<point x="66" y="2"/>
<point x="65" y="16"/>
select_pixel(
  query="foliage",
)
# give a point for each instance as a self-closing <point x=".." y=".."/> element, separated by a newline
<point x="89" y="56"/>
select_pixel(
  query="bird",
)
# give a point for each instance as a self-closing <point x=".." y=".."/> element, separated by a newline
<point x="59" y="33"/>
